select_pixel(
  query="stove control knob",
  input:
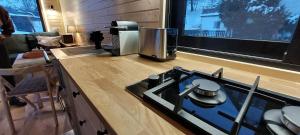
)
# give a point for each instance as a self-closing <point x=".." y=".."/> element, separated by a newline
<point x="177" y="73"/>
<point x="153" y="81"/>
<point x="177" y="68"/>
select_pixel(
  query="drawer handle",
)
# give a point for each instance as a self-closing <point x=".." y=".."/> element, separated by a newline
<point x="75" y="94"/>
<point x="102" y="132"/>
<point x="82" y="122"/>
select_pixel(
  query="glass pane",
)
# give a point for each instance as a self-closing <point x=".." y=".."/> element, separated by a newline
<point x="24" y="14"/>
<point x="270" y="20"/>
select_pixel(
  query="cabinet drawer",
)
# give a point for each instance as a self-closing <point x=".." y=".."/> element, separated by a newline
<point x="68" y="99"/>
<point x="84" y="124"/>
<point x="85" y="111"/>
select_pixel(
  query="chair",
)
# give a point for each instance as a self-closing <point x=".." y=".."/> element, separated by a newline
<point x="30" y="84"/>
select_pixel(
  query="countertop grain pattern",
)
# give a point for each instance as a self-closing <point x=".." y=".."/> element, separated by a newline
<point x="103" y="81"/>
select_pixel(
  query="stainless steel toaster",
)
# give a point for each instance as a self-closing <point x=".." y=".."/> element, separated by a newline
<point x="158" y="43"/>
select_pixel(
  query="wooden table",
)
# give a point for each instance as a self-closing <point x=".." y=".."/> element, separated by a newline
<point x="102" y="81"/>
<point x="21" y="62"/>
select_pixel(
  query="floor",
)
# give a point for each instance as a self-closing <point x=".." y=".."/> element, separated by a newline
<point x="30" y="122"/>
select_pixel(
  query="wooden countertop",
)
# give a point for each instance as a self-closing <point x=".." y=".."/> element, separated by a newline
<point x="103" y="81"/>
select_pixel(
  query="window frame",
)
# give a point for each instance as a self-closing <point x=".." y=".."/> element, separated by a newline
<point x="231" y="48"/>
<point x="40" y="15"/>
<point x="38" y="2"/>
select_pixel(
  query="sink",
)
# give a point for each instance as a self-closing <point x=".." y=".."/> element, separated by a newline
<point x="87" y="50"/>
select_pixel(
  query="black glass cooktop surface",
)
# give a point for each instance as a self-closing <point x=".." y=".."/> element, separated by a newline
<point x="221" y="118"/>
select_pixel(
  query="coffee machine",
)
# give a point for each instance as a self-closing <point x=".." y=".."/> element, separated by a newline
<point x="125" y="37"/>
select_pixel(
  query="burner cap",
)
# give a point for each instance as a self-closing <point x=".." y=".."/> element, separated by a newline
<point x="153" y="77"/>
<point x="206" y="100"/>
<point x="274" y="125"/>
<point x="206" y="87"/>
<point x="291" y="118"/>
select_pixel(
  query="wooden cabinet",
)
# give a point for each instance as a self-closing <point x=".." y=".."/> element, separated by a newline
<point x="88" y="121"/>
<point x="83" y="118"/>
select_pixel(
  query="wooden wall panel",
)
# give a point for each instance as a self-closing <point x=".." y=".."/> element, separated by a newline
<point x="52" y="18"/>
<point x="92" y="15"/>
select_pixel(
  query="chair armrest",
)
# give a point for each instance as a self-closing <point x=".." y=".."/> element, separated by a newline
<point x="4" y="83"/>
<point x="20" y="71"/>
<point x="47" y="59"/>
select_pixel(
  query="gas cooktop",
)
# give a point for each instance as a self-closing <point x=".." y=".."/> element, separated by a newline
<point x="212" y="104"/>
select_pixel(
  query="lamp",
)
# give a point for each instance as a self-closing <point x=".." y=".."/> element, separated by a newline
<point x="51" y="7"/>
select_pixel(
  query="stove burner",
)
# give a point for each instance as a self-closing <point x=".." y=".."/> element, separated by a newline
<point x="291" y="118"/>
<point x="206" y="87"/>
<point x="204" y="111"/>
<point x="209" y="95"/>
<point x="274" y="125"/>
<point x="209" y="101"/>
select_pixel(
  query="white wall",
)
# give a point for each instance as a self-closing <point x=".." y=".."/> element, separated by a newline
<point x="52" y="18"/>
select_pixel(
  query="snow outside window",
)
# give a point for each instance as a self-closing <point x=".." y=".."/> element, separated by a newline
<point x="267" y="20"/>
<point x="24" y="14"/>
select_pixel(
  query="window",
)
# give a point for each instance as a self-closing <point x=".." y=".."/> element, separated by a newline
<point x="24" y="14"/>
<point x="273" y="20"/>
<point x="217" y="25"/>
<point x="254" y="29"/>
